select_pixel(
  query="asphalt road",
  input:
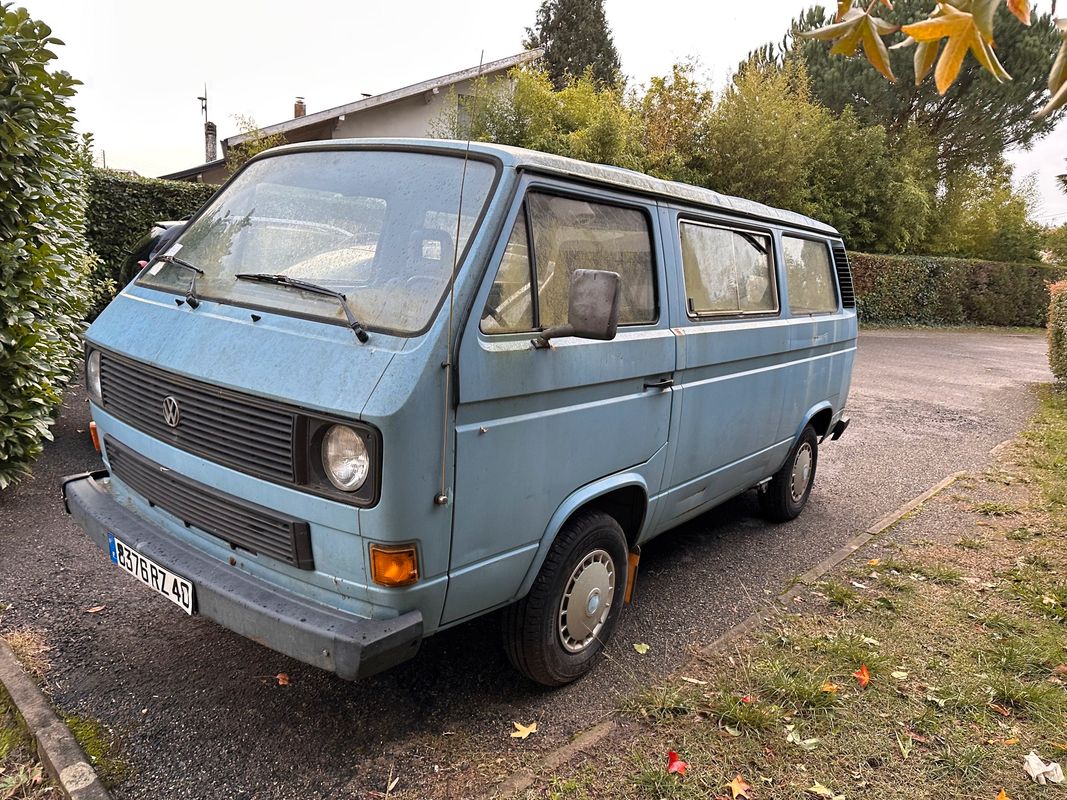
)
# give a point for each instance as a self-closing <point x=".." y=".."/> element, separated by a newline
<point x="197" y="714"/>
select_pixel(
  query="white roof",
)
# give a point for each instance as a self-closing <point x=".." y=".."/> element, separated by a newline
<point x="393" y="96"/>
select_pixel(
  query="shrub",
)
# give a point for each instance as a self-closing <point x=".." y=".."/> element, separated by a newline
<point x="935" y="290"/>
<point x="121" y="210"/>
<point x="43" y="255"/>
<point x="1057" y="331"/>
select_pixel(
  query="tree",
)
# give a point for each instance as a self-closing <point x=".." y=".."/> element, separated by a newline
<point x="584" y="120"/>
<point x="1063" y="181"/>
<point x="576" y="38"/>
<point x="982" y="215"/>
<point x="44" y="259"/>
<point x="255" y="144"/>
<point x="973" y="121"/>
<point x="675" y="110"/>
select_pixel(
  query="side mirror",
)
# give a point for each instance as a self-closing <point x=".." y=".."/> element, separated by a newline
<point x="594" y="308"/>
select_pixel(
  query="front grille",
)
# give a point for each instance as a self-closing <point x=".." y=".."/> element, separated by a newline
<point x="220" y="425"/>
<point x="235" y="521"/>
<point x="844" y="276"/>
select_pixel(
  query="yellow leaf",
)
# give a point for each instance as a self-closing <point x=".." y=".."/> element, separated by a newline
<point x="1021" y="9"/>
<point x="819" y="790"/>
<point x="829" y="687"/>
<point x="1058" y="76"/>
<point x="925" y="56"/>
<point x="1002" y="795"/>
<point x="874" y="48"/>
<point x="847" y="23"/>
<point x="641" y="648"/>
<point x="984" y="12"/>
<point x="1009" y="742"/>
<point x="523" y="731"/>
<point x="950" y="21"/>
<point x="842" y="8"/>
<point x="964" y="34"/>
<point x="874" y="562"/>
<point x="738" y="788"/>
<point x="1058" y="99"/>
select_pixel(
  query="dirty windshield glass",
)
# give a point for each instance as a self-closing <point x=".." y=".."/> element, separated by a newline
<point x="379" y="226"/>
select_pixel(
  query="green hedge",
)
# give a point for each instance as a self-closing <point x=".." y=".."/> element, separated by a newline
<point x="44" y="261"/>
<point x="1057" y="331"/>
<point x="122" y="208"/>
<point x="935" y="290"/>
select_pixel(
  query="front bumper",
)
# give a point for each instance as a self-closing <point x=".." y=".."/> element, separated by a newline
<point x="350" y="646"/>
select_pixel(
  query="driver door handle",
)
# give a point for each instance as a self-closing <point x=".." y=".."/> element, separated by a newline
<point x="661" y="383"/>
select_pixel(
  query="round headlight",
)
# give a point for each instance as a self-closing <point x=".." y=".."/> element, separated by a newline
<point x="345" y="458"/>
<point x="92" y="377"/>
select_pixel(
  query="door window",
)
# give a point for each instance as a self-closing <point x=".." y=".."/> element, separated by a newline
<point x="727" y="271"/>
<point x="569" y="234"/>
<point x="810" y="275"/>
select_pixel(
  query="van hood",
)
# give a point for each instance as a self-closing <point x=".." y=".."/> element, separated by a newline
<point x="310" y="364"/>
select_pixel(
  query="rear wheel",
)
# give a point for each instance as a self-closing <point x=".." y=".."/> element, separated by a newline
<point x="555" y="634"/>
<point x="787" y="493"/>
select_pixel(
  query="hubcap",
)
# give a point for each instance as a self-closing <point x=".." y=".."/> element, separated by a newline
<point x="586" y="601"/>
<point x="801" y="472"/>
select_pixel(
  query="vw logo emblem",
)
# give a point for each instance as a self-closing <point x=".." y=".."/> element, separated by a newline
<point x="172" y="413"/>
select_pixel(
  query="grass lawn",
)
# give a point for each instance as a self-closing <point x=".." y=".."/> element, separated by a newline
<point x="21" y="777"/>
<point x="958" y="615"/>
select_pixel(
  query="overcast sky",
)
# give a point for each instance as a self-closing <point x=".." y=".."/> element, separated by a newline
<point x="144" y="62"/>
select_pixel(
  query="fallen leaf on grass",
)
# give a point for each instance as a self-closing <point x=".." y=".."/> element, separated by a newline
<point x="641" y="648"/>
<point x="282" y="679"/>
<point x="1002" y="795"/>
<point x="674" y="763"/>
<point x="95" y="609"/>
<point x="1041" y="772"/>
<point x="523" y="731"/>
<point x="874" y="562"/>
<point x="738" y="788"/>
<point x="900" y="675"/>
<point x="819" y="790"/>
<point x="1048" y="600"/>
<point x="863" y="675"/>
<point x="1010" y="742"/>
<point x="829" y="687"/>
<point x="392" y="785"/>
<point x="804" y="744"/>
<point x="1002" y="710"/>
<point x="732" y="731"/>
<point x="747" y="699"/>
<point x="1060" y="669"/>
<point x="695" y="681"/>
<point x="872" y="642"/>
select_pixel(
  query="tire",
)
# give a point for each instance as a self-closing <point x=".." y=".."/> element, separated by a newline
<point x="554" y="644"/>
<point x="784" y="498"/>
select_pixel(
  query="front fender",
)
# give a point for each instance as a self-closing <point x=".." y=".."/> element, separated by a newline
<point x="575" y="501"/>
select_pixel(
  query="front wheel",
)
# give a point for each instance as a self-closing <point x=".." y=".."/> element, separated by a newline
<point x="787" y="493"/>
<point x="555" y="634"/>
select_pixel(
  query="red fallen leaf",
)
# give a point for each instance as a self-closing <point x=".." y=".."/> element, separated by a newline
<point x="863" y="675"/>
<point x="282" y="678"/>
<point x="675" y="764"/>
<point x="746" y="699"/>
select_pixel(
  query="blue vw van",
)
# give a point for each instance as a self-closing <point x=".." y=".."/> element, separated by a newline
<point x="379" y="387"/>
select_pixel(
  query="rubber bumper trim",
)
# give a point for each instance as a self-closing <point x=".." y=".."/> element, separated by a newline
<point x="352" y="647"/>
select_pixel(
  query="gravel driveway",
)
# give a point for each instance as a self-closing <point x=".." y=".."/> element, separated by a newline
<point x="197" y="714"/>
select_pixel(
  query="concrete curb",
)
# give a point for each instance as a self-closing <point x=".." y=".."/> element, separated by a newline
<point x="524" y="778"/>
<point x="56" y="747"/>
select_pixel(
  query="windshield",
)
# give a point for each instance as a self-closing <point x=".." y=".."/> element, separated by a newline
<point x="379" y="226"/>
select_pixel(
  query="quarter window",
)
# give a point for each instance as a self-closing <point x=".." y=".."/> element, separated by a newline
<point x="727" y="271"/>
<point x="569" y="234"/>
<point x="810" y="275"/>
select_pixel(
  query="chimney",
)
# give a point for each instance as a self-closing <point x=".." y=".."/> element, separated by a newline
<point x="211" y="140"/>
<point x="299" y="109"/>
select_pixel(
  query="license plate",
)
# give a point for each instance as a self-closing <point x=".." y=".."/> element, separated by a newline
<point x="173" y="587"/>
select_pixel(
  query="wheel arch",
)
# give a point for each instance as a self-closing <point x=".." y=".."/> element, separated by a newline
<point x="623" y="496"/>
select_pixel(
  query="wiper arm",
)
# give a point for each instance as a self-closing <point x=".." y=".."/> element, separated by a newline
<point x="190" y="296"/>
<point x="285" y="280"/>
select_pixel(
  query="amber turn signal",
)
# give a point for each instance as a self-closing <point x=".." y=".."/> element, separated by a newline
<point x="94" y="436"/>
<point x="394" y="566"/>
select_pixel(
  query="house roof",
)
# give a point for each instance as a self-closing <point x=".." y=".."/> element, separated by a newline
<point x="193" y="171"/>
<point x="519" y="158"/>
<point x="390" y="97"/>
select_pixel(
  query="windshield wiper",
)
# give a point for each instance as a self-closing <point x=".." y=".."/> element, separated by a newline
<point x="190" y="296"/>
<point x="285" y="280"/>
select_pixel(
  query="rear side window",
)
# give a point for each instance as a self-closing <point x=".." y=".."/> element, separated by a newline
<point x="569" y="234"/>
<point x="810" y="275"/>
<point x="727" y="271"/>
